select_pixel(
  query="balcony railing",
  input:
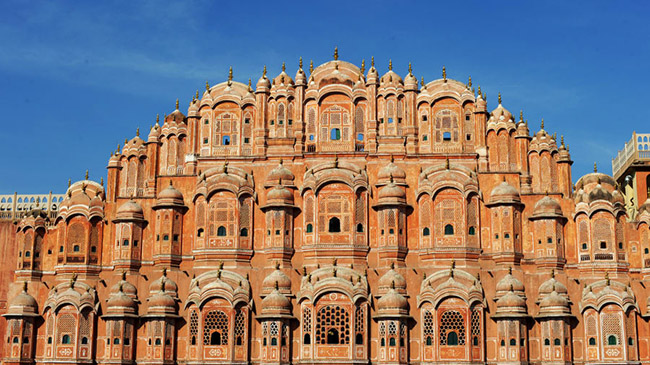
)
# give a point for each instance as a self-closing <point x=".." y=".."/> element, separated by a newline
<point x="636" y="149"/>
<point x="585" y="257"/>
<point x="603" y="256"/>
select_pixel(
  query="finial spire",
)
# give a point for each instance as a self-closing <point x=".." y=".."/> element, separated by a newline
<point x="410" y="69"/>
<point x="101" y="181"/>
<point x="264" y="72"/>
<point x="595" y="167"/>
<point x="444" y="74"/>
<point x="197" y="95"/>
<point x="542" y="125"/>
<point x="86" y="177"/>
<point x="207" y="86"/>
<point x="157" y="118"/>
<point x="469" y="83"/>
<point x="499" y="98"/>
<point x="137" y="130"/>
<point x="363" y="66"/>
<point x="562" y="140"/>
<point x="250" y="87"/>
<point x="336" y="53"/>
<point x="372" y="61"/>
<point x="176" y="103"/>
<point x="422" y="81"/>
<point x="300" y="63"/>
<point x="390" y="65"/>
<point x="311" y="66"/>
<point x="284" y="67"/>
<point x="479" y="91"/>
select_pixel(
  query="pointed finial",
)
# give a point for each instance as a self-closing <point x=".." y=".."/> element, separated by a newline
<point x="311" y="66"/>
<point x="157" y="118"/>
<point x="521" y="115"/>
<point x="69" y="182"/>
<point x="334" y="262"/>
<point x="390" y="65"/>
<point x="277" y="286"/>
<point x="444" y="73"/>
<point x="607" y="278"/>
<point x="542" y="124"/>
<point x="197" y="95"/>
<point x="453" y="264"/>
<point x="479" y="91"/>
<point x="562" y="140"/>
<point x="264" y="72"/>
<point x="207" y="86"/>
<point x="410" y="69"/>
<point x="447" y="163"/>
<point x="101" y="181"/>
<point x="162" y="286"/>
<point x="372" y="61"/>
<point x="230" y="74"/>
<point x="137" y="131"/>
<point x="595" y="167"/>
<point x="300" y="63"/>
<point x="277" y="265"/>
<point x="284" y="67"/>
<point x="176" y="103"/>
<point x="553" y="273"/>
<point x="392" y="284"/>
<point x="422" y="81"/>
<point x="164" y="271"/>
<point x="499" y="98"/>
<point x="336" y="53"/>
<point x="469" y="83"/>
<point x="363" y="66"/>
<point x="86" y="176"/>
<point x="250" y="87"/>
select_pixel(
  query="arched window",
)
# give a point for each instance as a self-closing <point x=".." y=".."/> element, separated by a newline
<point x="360" y="227"/>
<point x="243" y="232"/>
<point x="65" y="340"/>
<point x="332" y="336"/>
<point x="215" y="338"/>
<point x="158" y="342"/>
<point x="116" y="341"/>
<point x="199" y="233"/>
<point x="612" y="340"/>
<point x="547" y="342"/>
<point x="557" y="342"/>
<point x="306" y="339"/>
<point x="630" y="341"/>
<point x="449" y="229"/>
<point x="221" y="231"/>
<point x="592" y="341"/>
<point x="452" y="338"/>
<point x="333" y="326"/>
<point x="215" y="328"/>
<point x="446" y="136"/>
<point x="16" y="339"/>
<point x="76" y="248"/>
<point x="335" y="134"/>
<point x="274" y="341"/>
<point x="226" y="141"/>
<point x="334" y="225"/>
<point x="475" y="341"/>
<point x="471" y="231"/>
<point x="310" y="228"/>
<point x="429" y="341"/>
<point x="392" y="342"/>
<point x="383" y="342"/>
<point x="513" y="342"/>
<point x="426" y="231"/>
<point x="358" y="339"/>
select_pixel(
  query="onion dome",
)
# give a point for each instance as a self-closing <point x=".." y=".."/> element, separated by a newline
<point x="170" y="197"/>
<point x="263" y="84"/>
<point x="372" y="73"/>
<point x="154" y="133"/>
<point x="130" y="211"/>
<point x="164" y="283"/>
<point x="279" y="196"/>
<point x="391" y="170"/>
<point x="276" y="305"/>
<point x="277" y="279"/>
<point x="547" y="207"/>
<point x="176" y="116"/>
<point x="392" y="277"/>
<point x="391" y="78"/>
<point x="280" y="173"/>
<point x="481" y="104"/>
<point x="392" y="303"/>
<point x="162" y="303"/>
<point x="509" y="282"/>
<point x="500" y="113"/>
<point x="283" y="79"/>
<point x="80" y="198"/>
<point x="411" y="82"/>
<point x="554" y="303"/>
<point x="120" y="302"/>
<point x="599" y="193"/>
<point x="504" y="193"/>
<point x="511" y="305"/>
<point x="301" y="78"/>
<point x="551" y="285"/>
<point x="23" y="304"/>
<point x="392" y="194"/>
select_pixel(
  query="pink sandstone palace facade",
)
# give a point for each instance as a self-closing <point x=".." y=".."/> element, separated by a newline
<point x="337" y="216"/>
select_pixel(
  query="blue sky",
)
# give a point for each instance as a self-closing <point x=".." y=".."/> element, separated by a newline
<point x="78" y="77"/>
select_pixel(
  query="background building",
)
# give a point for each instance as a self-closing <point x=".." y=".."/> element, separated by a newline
<point x="337" y="216"/>
<point x="631" y="169"/>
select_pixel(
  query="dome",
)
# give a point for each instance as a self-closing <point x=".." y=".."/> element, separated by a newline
<point x="599" y="193"/>
<point x="163" y="283"/>
<point x="547" y="207"/>
<point x="392" y="191"/>
<point x="128" y="288"/>
<point x="501" y="113"/>
<point x="170" y="197"/>
<point x="391" y="170"/>
<point x="551" y="285"/>
<point x="508" y="282"/>
<point x="392" y="277"/>
<point x="511" y="302"/>
<point x="391" y="78"/>
<point x="282" y="78"/>
<point x="279" y="196"/>
<point x="263" y="83"/>
<point x="130" y="210"/>
<point x="276" y="301"/>
<point x="120" y="301"/>
<point x="553" y="300"/>
<point x="280" y="174"/>
<point x="504" y="193"/>
<point x="411" y="81"/>
<point x="392" y="300"/>
<point x="163" y="301"/>
<point x="23" y="303"/>
<point x="175" y="116"/>
<point x="79" y="198"/>
<point x="279" y="279"/>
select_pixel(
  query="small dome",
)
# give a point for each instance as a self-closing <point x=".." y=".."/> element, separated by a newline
<point x="279" y="195"/>
<point x="411" y="81"/>
<point x="163" y="283"/>
<point x="170" y="197"/>
<point x="392" y="300"/>
<point x="504" y="193"/>
<point x="301" y="78"/>
<point x="511" y="302"/>
<point x="392" y="277"/>
<point x="280" y="174"/>
<point x="277" y="277"/>
<point x="501" y="113"/>
<point x="120" y="301"/>
<point x="163" y="301"/>
<point x="276" y="301"/>
<point x="553" y="299"/>
<point x="23" y="303"/>
<point x="508" y="282"/>
<point x="391" y="170"/>
<point x="154" y="133"/>
<point x="175" y="116"/>
<point x="392" y="191"/>
<point x="599" y="193"/>
<point x="130" y="210"/>
<point x="282" y="79"/>
<point x="551" y="285"/>
<point x="547" y="207"/>
<point x="128" y="288"/>
<point x="79" y="198"/>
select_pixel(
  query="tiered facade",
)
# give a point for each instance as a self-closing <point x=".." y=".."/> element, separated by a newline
<point x="338" y="216"/>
